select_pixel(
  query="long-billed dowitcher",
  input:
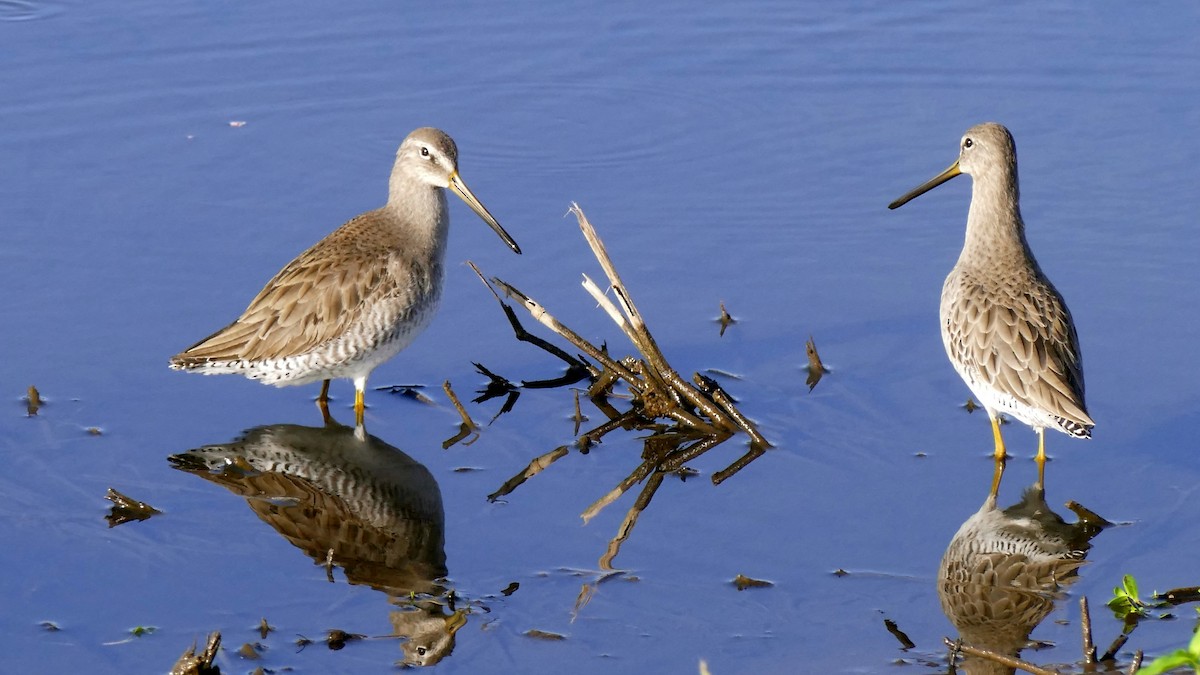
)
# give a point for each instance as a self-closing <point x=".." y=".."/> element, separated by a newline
<point x="1006" y="569"/>
<point x="358" y="296"/>
<point x="1005" y="327"/>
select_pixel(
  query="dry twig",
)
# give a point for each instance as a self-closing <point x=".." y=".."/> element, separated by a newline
<point x="685" y="419"/>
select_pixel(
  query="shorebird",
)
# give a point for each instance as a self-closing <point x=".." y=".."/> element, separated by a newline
<point x="1005" y="570"/>
<point x="1005" y="327"/>
<point x="358" y="296"/>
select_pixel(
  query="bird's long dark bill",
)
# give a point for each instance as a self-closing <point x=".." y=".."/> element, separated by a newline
<point x="927" y="186"/>
<point x="460" y="188"/>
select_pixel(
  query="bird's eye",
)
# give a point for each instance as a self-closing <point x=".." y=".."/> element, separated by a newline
<point x="968" y="143"/>
<point x="424" y="152"/>
<point x="421" y="651"/>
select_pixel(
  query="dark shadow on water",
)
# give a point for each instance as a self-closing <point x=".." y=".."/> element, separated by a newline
<point x="1005" y="570"/>
<point x="350" y="500"/>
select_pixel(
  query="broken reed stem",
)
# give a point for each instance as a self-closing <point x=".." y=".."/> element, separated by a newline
<point x="752" y="454"/>
<point x="701" y="402"/>
<point x="466" y="419"/>
<point x="1115" y="647"/>
<point x="677" y="459"/>
<point x="544" y="317"/>
<point x="534" y="468"/>
<point x="1085" y="623"/>
<point x="1003" y="660"/>
<point x="614" y="494"/>
<point x="610" y="271"/>
<point x="1137" y="662"/>
<point x="525" y="336"/>
<point x="652" y="372"/>
<point x="656" y="465"/>
<point x="687" y="419"/>
<point x="609" y="308"/>
<point x="594" y="436"/>
<point x="645" y="341"/>
<point x="631" y="518"/>
<point x="722" y="399"/>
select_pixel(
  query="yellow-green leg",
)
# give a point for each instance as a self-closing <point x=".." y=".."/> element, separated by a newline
<point x="1041" y="457"/>
<point x="1000" y="452"/>
<point x="359" y="406"/>
<point x="997" y="474"/>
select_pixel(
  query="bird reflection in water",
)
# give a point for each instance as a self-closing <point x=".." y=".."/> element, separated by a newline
<point x="1005" y="569"/>
<point x="341" y="495"/>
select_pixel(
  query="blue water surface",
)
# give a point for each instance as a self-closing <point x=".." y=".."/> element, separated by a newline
<point x="160" y="161"/>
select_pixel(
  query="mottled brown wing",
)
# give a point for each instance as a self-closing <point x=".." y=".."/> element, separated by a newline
<point x="309" y="302"/>
<point x="1022" y="344"/>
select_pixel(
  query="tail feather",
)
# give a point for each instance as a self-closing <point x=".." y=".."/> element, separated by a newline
<point x="1074" y="428"/>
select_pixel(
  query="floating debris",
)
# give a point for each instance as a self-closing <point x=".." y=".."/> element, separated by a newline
<point x="33" y="401"/>
<point x="192" y="663"/>
<point x="725" y="320"/>
<point x="250" y="652"/>
<point x="337" y="639"/>
<point x="1178" y="596"/>
<point x="816" y="369"/>
<point x="264" y="628"/>
<point x="544" y="635"/>
<point x="742" y="582"/>
<point x="510" y="589"/>
<point x="686" y="472"/>
<point x="900" y="635"/>
<point x="970" y="406"/>
<point x="94" y="431"/>
<point x="49" y="626"/>
<point x="409" y="391"/>
<point x="237" y="124"/>
<point x="125" y="509"/>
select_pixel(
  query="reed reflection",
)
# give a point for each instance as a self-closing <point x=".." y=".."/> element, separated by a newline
<point x="350" y="500"/>
<point x="1005" y="570"/>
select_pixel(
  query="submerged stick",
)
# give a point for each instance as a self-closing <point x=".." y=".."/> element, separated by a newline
<point x="468" y="425"/>
<point x="754" y="453"/>
<point x="535" y="467"/>
<point x="676" y="460"/>
<point x="631" y="518"/>
<point x="614" y="494"/>
<point x="1007" y="661"/>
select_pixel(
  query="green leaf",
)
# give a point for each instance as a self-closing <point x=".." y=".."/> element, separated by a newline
<point x="1194" y="645"/>
<point x="1131" y="587"/>
<point x="1166" y="662"/>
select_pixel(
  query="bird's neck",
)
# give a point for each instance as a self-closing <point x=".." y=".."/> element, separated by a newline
<point x="419" y="213"/>
<point x="994" y="225"/>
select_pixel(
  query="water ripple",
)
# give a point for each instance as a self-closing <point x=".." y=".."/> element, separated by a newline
<point x="27" y="10"/>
